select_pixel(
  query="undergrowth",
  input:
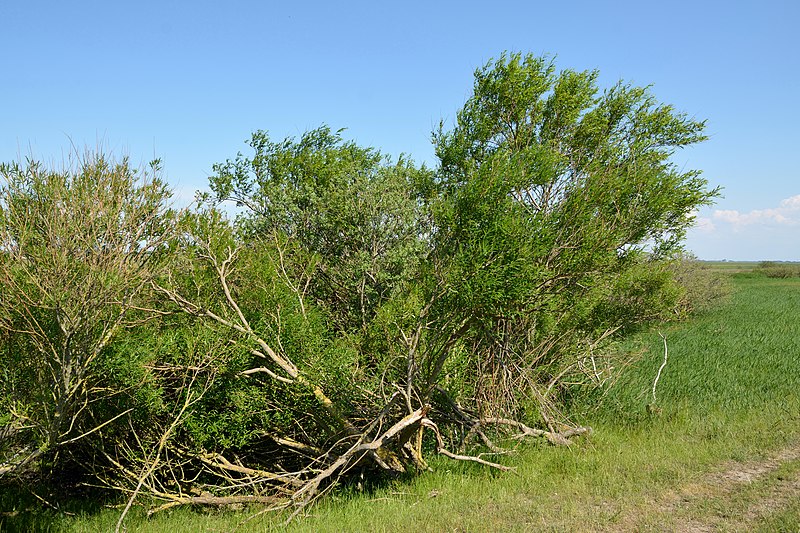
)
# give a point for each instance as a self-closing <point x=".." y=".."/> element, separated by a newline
<point x="730" y="391"/>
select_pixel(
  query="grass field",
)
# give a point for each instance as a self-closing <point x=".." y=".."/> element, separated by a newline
<point x="731" y="266"/>
<point x="720" y="452"/>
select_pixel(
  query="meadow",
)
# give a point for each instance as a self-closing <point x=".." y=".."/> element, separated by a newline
<point x="718" y="449"/>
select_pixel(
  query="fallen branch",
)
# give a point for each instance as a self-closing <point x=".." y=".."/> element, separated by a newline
<point x="553" y="437"/>
<point x="664" y="364"/>
<point x="153" y="463"/>
<point x="429" y="424"/>
<point x="401" y="432"/>
<point x="218" y="500"/>
<point x="220" y="462"/>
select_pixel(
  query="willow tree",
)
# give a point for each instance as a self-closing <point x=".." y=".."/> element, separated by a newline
<point x="78" y="247"/>
<point x="559" y="202"/>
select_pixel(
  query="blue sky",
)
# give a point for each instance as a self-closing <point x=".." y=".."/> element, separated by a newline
<point x="189" y="81"/>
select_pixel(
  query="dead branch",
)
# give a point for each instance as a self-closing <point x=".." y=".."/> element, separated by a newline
<point x="240" y="324"/>
<point x="664" y="364"/>
<point x="217" y="460"/>
<point x="162" y="442"/>
<point x="220" y="501"/>
<point x="557" y="438"/>
<point x="429" y="424"/>
<point x="295" y="445"/>
<point x="400" y="432"/>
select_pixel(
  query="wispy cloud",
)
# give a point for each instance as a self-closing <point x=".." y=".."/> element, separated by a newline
<point x="702" y="224"/>
<point x="786" y="214"/>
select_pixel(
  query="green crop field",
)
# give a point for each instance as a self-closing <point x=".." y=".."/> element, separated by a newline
<point x="719" y="449"/>
<point x="733" y="267"/>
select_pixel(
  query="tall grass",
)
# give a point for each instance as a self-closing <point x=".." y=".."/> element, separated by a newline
<point x="730" y="390"/>
<point x="734" y="359"/>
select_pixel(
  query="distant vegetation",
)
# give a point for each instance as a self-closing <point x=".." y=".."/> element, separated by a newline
<point x="703" y="286"/>
<point x="774" y="269"/>
<point x="360" y="314"/>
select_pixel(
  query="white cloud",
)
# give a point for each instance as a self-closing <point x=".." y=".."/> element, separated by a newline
<point x="787" y="214"/>
<point x="792" y="203"/>
<point x="704" y="224"/>
<point x="701" y="224"/>
<point x="760" y="234"/>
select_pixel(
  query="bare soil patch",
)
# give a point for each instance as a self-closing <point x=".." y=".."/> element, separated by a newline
<point x="691" y="508"/>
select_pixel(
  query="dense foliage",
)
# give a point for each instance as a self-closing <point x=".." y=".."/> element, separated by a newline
<point x="359" y="311"/>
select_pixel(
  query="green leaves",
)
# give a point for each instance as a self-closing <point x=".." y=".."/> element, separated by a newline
<point x="356" y="213"/>
<point x="552" y="191"/>
<point x="77" y="248"/>
<point x="348" y="280"/>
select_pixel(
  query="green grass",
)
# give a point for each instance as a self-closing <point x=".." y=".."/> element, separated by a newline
<point x="730" y="391"/>
<point x="731" y="267"/>
<point x="739" y="503"/>
<point x="776" y="269"/>
<point x="786" y="519"/>
<point x="732" y="360"/>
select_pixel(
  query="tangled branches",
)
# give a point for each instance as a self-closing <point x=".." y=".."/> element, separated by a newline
<point x="360" y="313"/>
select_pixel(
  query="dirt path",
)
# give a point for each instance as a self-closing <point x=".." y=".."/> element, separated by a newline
<point x="733" y="498"/>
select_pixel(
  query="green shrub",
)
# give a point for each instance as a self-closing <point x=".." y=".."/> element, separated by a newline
<point x="702" y="287"/>
<point x="79" y="247"/>
<point x="355" y="302"/>
<point x="773" y="269"/>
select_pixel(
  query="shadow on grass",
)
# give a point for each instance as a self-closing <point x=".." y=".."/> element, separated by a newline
<point x="34" y="506"/>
